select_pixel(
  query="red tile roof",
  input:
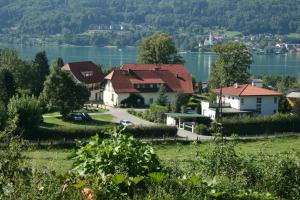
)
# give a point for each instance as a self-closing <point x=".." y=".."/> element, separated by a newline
<point x="248" y="90"/>
<point x="123" y="79"/>
<point x="176" y="76"/>
<point x="78" y="69"/>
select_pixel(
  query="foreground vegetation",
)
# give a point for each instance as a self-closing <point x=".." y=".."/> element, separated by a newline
<point x="123" y="167"/>
<point x="58" y="159"/>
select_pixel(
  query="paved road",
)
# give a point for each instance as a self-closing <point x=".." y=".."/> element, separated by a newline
<point x="121" y="113"/>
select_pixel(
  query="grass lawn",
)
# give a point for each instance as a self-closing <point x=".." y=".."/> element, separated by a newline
<point x="294" y="35"/>
<point x="57" y="159"/>
<point x="54" y="120"/>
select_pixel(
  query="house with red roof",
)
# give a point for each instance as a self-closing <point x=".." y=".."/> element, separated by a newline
<point x="144" y="81"/>
<point x="245" y="99"/>
<point x="89" y="74"/>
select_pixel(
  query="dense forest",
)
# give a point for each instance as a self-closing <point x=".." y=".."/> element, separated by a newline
<point x="138" y="18"/>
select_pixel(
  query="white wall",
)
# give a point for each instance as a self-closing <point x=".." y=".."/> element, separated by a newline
<point x="111" y="98"/>
<point x="234" y="101"/>
<point x="206" y="111"/>
<point x="268" y="106"/>
<point x="93" y="95"/>
<point x="171" y="121"/>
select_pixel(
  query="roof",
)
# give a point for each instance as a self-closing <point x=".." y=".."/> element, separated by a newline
<point x="293" y="95"/>
<point x="248" y="90"/>
<point x="178" y="70"/>
<point x="185" y="115"/>
<point x="125" y="78"/>
<point x="86" y="72"/>
<point x="232" y="110"/>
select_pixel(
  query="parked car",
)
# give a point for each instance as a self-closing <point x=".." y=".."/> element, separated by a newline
<point x="86" y="116"/>
<point x="79" y="117"/>
<point x="126" y="123"/>
<point x="74" y="117"/>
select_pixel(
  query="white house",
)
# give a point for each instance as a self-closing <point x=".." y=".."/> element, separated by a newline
<point x="89" y="74"/>
<point x="243" y="99"/>
<point x="144" y="80"/>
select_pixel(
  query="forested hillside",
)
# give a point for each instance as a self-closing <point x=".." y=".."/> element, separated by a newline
<point x="48" y="17"/>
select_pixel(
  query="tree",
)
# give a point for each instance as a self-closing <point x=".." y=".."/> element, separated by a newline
<point x="60" y="62"/>
<point x="7" y="86"/>
<point x="296" y="108"/>
<point x="3" y="115"/>
<point x="62" y="93"/>
<point x="162" y="96"/>
<point x="24" y="72"/>
<point x="232" y="66"/>
<point x="24" y="112"/>
<point x="180" y="100"/>
<point x="159" y="49"/>
<point x="42" y="70"/>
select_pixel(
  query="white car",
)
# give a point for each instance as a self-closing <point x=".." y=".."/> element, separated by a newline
<point x="126" y="123"/>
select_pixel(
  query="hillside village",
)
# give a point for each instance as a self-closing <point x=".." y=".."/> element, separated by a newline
<point x="137" y="86"/>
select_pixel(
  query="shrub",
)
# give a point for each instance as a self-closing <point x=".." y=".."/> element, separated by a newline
<point x="120" y="154"/>
<point x="202" y="129"/>
<point x="3" y="116"/>
<point x="134" y="100"/>
<point x="278" y="123"/>
<point x="152" y="131"/>
<point x="25" y="112"/>
<point x="156" y="113"/>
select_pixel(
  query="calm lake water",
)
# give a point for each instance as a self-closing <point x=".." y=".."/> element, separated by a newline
<point x="199" y="64"/>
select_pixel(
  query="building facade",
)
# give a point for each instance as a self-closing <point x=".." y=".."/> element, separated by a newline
<point x="145" y="81"/>
<point x="88" y="74"/>
<point x="243" y="100"/>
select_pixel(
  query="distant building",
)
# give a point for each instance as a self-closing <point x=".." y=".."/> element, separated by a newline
<point x="293" y="96"/>
<point x="89" y="74"/>
<point x="246" y="99"/>
<point x="145" y="80"/>
<point x="209" y="41"/>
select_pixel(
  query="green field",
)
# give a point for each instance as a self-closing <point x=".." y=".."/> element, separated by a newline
<point x="54" y="120"/>
<point x="294" y="35"/>
<point x="181" y="154"/>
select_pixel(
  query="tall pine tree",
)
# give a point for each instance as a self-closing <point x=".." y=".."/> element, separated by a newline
<point x="42" y="71"/>
<point x="7" y="86"/>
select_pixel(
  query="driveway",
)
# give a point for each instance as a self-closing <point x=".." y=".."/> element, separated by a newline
<point x="121" y="113"/>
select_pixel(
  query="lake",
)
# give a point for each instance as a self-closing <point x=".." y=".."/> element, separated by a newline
<point x="199" y="64"/>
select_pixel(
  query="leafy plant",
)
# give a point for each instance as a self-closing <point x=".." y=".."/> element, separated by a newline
<point x="120" y="154"/>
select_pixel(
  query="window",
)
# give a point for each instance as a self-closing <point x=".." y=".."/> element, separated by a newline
<point x="242" y="101"/>
<point x="151" y="85"/>
<point x="275" y="111"/>
<point x="258" y="105"/>
<point x="112" y="97"/>
<point x="275" y="100"/>
<point x="87" y="73"/>
<point x="151" y="100"/>
<point x="137" y="85"/>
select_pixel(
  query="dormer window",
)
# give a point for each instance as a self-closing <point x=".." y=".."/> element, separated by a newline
<point x="87" y="73"/>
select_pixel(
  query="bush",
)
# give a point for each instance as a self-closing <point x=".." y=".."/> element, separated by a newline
<point x="202" y="129"/>
<point x="134" y="100"/>
<point x="25" y="113"/>
<point x="152" y="131"/>
<point x="120" y="154"/>
<point x="3" y="116"/>
<point x="278" y="123"/>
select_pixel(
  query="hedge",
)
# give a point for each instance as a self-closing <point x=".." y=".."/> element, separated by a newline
<point x="152" y="131"/>
<point x="261" y="125"/>
<point x="82" y="133"/>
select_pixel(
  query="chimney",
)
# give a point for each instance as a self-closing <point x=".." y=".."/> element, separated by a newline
<point x="236" y="85"/>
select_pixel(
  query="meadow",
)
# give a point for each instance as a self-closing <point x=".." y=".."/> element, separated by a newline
<point x="182" y="154"/>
